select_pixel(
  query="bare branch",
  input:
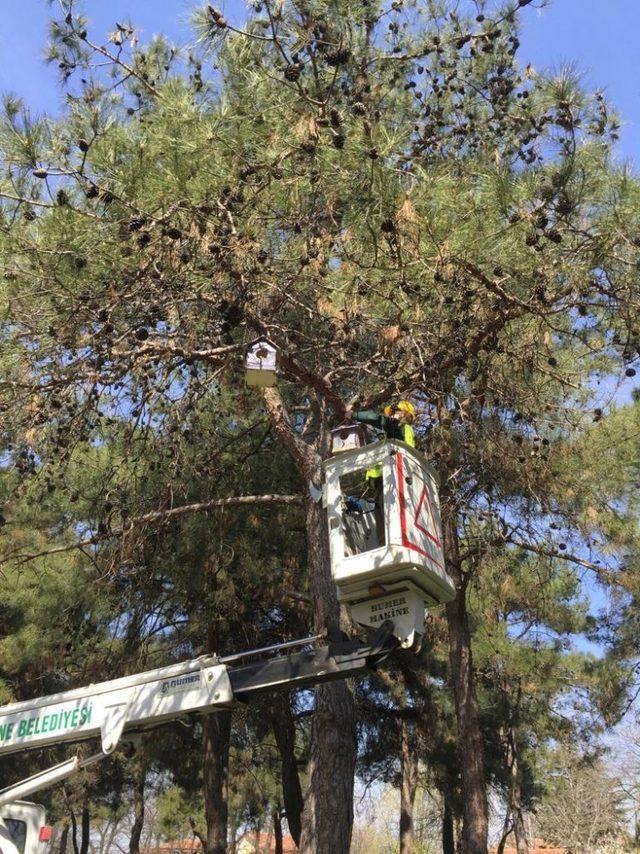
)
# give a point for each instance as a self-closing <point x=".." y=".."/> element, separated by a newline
<point x="303" y="455"/>
<point x="571" y="558"/>
<point x="204" y="506"/>
<point x="160" y="515"/>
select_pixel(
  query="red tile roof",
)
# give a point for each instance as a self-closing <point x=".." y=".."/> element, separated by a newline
<point x="176" y="846"/>
<point x="267" y="843"/>
<point x="536" y="846"/>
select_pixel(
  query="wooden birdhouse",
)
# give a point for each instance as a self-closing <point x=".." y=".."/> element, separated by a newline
<point x="385" y="536"/>
<point x="348" y="437"/>
<point x="261" y="363"/>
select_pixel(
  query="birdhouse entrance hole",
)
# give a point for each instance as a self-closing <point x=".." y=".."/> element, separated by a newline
<point x="261" y="361"/>
<point x="348" y="437"/>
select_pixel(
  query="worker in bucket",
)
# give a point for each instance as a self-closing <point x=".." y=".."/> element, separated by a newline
<point x="396" y="422"/>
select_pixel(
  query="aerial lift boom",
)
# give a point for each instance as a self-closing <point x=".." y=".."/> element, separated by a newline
<point x="124" y="707"/>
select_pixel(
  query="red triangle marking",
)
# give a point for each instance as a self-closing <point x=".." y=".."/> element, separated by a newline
<point x="425" y="495"/>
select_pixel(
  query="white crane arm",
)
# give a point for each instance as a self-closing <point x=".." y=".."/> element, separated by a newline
<point x="107" y="709"/>
<point x="43" y="779"/>
<point x="134" y="703"/>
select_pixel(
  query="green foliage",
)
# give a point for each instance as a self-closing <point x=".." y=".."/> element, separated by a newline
<point x="179" y="814"/>
<point x="406" y="211"/>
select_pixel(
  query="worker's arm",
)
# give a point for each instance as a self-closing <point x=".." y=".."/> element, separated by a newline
<point x="392" y="428"/>
<point x="373" y="419"/>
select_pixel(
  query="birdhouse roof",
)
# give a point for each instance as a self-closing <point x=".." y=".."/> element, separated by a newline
<point x="262" y="341"/>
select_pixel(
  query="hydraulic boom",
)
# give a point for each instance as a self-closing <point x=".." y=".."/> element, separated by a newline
<point x="132" y="704"/>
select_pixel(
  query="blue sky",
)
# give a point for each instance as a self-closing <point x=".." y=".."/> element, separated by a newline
<point x="601" y="38"/>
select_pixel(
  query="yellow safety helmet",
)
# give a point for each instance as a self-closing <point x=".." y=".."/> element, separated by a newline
<point x="403" y="406"/>
<point x="409" y="408"/>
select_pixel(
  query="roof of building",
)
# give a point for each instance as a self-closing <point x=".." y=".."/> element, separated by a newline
<point x="267" y="843"/>
<point x="536" y="846"/>
<point x="175" y="846"/>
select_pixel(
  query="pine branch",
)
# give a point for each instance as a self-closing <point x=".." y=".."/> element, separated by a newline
<point x="292" y="366"/>
<point x="303" y="454"/>
<point x="160" y="515"/>
<point x="204" y="506"/>
<point x="571" y="558"/>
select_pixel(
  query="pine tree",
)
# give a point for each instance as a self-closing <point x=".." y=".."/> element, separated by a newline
<point x="398" y="205"/>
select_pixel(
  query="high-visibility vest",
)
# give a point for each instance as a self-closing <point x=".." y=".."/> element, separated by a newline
<point x="408" y="436"/>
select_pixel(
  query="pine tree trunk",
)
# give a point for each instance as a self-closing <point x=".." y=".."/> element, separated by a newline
<point x="64" y="836"/>
<point x="138" y="810"/>
<point x="86" y="830"/>
<point x="474" y="795"/>
<point x="519" y="829"/>
<point x="448" y="836"/>
<point x="216" y="732"/>
<point x="233" y="833"/>
<point x="74" y="833"/>
<point x="81" y="847"/>
<point x="285" y="735"/>
<point x="216" y="736"/>
<point x="277" y="831"/>
<point x="507" y="827"/>
<point x="327" y="818"/>
<point x="409" y="783"/>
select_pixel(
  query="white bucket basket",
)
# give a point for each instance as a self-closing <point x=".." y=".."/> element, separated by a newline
<point x="385" y="535"/>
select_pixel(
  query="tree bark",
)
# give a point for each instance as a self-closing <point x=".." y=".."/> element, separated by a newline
<point x="216" y="733"/>
<point x="216" y="737"/>
<point x="519" y="829"/>
<point x="74" y="833"/>
<point x="233" y="832"/>
<point x="277" y="830"/>
<point x="409" y="784"/>
<point x="81" y="847"/>
<point x="138" y="809"/>
<point x="474" y="795"/>
<point x="448" y="836"/>
<point x="86" y="830"/>
<point x="64" y="835"/>
<point x="283" y="727"/>
<point x="327" y="818"/>
<point x="520" y="833"/>
<point x="507" y="828"/>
